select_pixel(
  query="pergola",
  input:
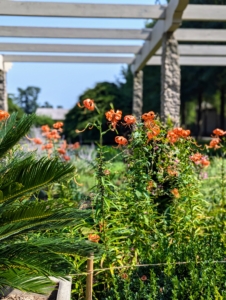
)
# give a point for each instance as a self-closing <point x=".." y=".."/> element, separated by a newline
<point x="161" y="44"/>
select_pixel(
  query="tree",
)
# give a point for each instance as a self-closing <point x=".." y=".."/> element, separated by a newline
<point x="104" y="93"/>
<point x="13" y="107"/>
<point x="47" y="105"/>
<point x="27" y="99"/>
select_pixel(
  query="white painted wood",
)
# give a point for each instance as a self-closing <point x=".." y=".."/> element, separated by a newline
<point x="74" y="33"/>
<point x="67" y="59"/>
<point x="7" y="66"/>
<point x="183" y="35"/>
<point x="174" y="13"/>
<point x="81" y="10"/>
<point x="1" y="62"/>
<point x="201" y="35"/>
<point x="155" y="60"/>
<point x="200" y="50"/>
<point x="21" y="47"/>
<point x="192" y="61"/>
<point x="205" y="13"/>
<point x="86" y="10"/>
<point x="188" y="50"/>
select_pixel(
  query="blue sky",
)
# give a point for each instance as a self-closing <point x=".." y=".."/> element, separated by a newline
<point x="61" y="84"/>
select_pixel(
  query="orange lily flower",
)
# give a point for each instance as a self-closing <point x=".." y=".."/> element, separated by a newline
<point x="148" y="116"/>
<point x="76" y="145"/>
<point x="113" y="117"/>
<point x="58" y="125"/>
<point x="45" y="128"/>
<point x="121" y="140"/>
<point x="130" y="120"/>
<point x="37" y="141"/>
<point x="153" y="132"/>
<point x="47" y="146"/>
<point x="52" y="135"/>
<point x="205" y="162"/>
<point x="196" y="157"/>
<point x="4" y="115"/>
<point x="219" y="132"/>
<point x="66" y="157"/>
<point x="88" y="103"/>
<point x="61" y="151"/>
<point x="214" y="143"/>
<point x="176" y="193"/>
<point x="176" y="133"/>
<point x="93" y="238"/>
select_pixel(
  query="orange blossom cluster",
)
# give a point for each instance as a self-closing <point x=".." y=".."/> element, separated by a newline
<point x="150" y="124"/>
<point x="200" y="159"/>
<point x="175" y="134"/>
<point x="215" y="142"/>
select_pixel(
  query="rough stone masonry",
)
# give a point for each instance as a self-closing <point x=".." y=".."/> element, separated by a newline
<point x="2" y="90"/>
<point x="170" y="79"/>
<point x="138" y="94"/>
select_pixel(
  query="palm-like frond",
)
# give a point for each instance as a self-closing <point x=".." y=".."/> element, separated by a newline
<point x="27" y="260"/>
<point x="34" y="174"/>
<point x="37" y="258"/>
<point x="20" y="279"/>
<point x="12" y="131"/>
<point x="38" y="216"/>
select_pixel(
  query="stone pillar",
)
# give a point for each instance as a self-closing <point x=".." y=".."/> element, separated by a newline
<point x="3" y="94"/>
<point x="170" y="79"/>
<point x="138" y="94"/>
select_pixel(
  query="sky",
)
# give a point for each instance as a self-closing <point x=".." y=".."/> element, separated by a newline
<point x="63" y="83"/>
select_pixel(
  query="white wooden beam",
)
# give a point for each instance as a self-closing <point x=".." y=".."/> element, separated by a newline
<point x="74" y="33"/>
<point x="184" y="50"/>
<point x="174" y="13"/>
<point x="205" y="13"/>
<point x="155" y="60"/>
<point x="183" y="35"/>
<point x="201" y="35"/>
<point x="21" y="47"/>
<point x="193" y="61"/>
<point x="81" y="10"/>
<point x="67" y="59"/>
<point x="86" y="10"/>
<point x="199" y="50"/>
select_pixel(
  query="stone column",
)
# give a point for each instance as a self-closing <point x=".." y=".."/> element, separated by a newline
<point x="138" y="94"/>
<point x="170" y="79"/>
<point x="3" y="94"/>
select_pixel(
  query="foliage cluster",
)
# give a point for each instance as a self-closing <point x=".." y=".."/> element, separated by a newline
<point x="27" y="255"/>
<point x="162" y="238"/>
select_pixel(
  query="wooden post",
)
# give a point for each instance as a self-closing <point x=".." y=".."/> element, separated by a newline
<point x="89" y="278"/>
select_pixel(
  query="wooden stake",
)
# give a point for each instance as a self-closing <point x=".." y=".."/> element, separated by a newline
<point x="89" y="278"/>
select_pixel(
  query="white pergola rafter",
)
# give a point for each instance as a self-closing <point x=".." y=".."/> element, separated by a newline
<point x="184" y="50"/>
<point x="154" y="61"/>
<point x="174" y="13"/>
<point x="74" y="33"/>
<point x="86" y="10"/>
<point x="182" y="35"/>
<point x="159" y="42"/>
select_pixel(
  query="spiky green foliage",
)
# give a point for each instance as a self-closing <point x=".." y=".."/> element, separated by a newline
<point x="28" y="256"/>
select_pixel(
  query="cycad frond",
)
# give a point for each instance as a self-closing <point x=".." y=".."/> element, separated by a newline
<point x="12" y="131"/>
<point x="38" y="216"/>
<point x="20" y="279"/>
<point x="39" y="173"/>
